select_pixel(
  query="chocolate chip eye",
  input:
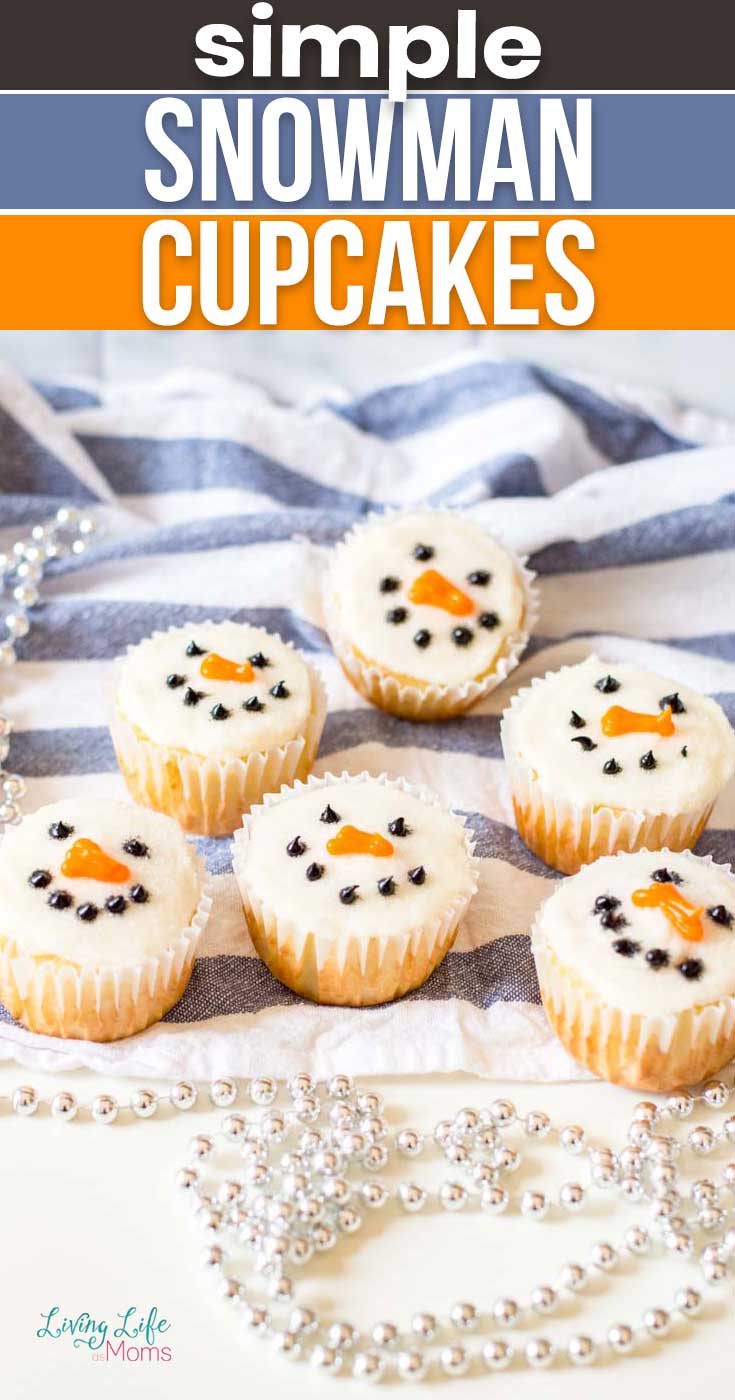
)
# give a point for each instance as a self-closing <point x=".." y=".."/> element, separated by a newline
<point x="139" y="894"/>
<point x="387" y="885"/>
<point x="612" y="765"/>
<point x="253" y="704"/>
<point x="219" y="711"/>
<point x="134" y="847"/>
<point x="60" y="899"/>
<point x="417" y="876"/>
<point x="462" y="636"/>
<point x="59" y="831"/>
<point x="718" y="913"/>
<point x="692" y="969"/>
<point x="398" y="827"/>
<point x="259" y="661"/>
<point x="422" y="638"/>
<point x="39" y="879"/>
<point x="396" y="615"/>
<point x="192" y="697"/>
<point x="647" y="760"/>
<point x="314" y="871"/>
<point x="87" y="912"/>
<point x="675" y="702"/>
<point x="584" y="742"/>
<point x="489" y="620"/>
<point x="296" y="846"/>
<point x="194" y="650"/>
<point x="480" y="577"/>
<point x="280" y="691"/>
<point x="422" y="552"/>
<point x="348" y="894"/>
<point x="662" y="876"/>
<point x="175" y="680"/>
<point x="605" y="902"/>
<point x="685" y="752"/>
<point x="576" y="721"/>
<point x="613" y="921"/>
<point x="329" y="815"/>
<point x="626" y="947"/>
<point x="657" y="957"/>
<point x="607" y="684"/>
<point x="389" y="584"/>
<point x="116" y="904"/>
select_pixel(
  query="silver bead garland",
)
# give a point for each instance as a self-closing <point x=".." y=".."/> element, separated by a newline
<point x="302" y="1186"/>
<point x="21" y="573"/>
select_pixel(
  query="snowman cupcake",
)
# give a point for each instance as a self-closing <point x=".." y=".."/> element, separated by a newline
<point x="102" y="905"/>
<point x="606" y="757"/>
<point x="353" y="887"/>
<point x="426" y="612"/>
<point x="210" y="716"/>
<point x="636" y="962"/>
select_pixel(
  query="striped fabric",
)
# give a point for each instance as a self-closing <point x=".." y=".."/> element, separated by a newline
<point x="218" y="502"/>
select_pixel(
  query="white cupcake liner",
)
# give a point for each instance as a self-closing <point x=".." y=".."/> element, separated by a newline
<point x="351" y="971"/>
<point x="656" y="1051"/>
<point x="209" y="795"/>
<point x="568" y="834"/>
<point x="87" y="1002"/>
<point x="425" y="700"/>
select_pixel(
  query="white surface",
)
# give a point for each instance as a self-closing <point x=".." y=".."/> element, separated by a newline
<point x="90" y="1221"/>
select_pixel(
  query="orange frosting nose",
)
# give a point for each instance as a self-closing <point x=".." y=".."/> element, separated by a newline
<point x="434" y="589"/>
<point x="351" y="841"/>
<point x="618" y="720"/>
<point x="86" y="860"/>
<point x="218" y="668"/>
<point x="686" y="919"/>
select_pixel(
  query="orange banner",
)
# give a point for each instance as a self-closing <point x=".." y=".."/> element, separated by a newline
<point x="86" y="271"/>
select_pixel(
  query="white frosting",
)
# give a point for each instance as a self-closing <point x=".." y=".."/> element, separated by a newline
<point x="539" y="733"/>
<point x="577" y="937"/>
<point x="385" y="549"/>
<point x="435" y="840"/>
<point x="160" y="713"/>
<point x="168" y="873"/>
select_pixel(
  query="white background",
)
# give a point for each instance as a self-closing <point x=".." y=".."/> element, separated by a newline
<point x="88" y="1218"/>
<point x="695" y="366"/>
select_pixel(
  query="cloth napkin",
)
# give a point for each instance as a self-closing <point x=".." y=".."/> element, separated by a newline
<point x="218" y="502"/>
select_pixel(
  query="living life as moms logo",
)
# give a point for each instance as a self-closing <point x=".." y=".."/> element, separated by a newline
<point x="137" y="1337"/>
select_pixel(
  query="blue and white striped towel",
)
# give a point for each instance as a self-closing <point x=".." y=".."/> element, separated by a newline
<point x="217" y="502"/>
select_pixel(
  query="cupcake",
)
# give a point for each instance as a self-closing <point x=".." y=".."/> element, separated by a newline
<point x="209" y="717"/>
<point x="353" y="887"/>
<point x="426" y="611"/>
<point x="102" y="905"/>
<point x="636" y="961"/>
<point x="604" y="758"/>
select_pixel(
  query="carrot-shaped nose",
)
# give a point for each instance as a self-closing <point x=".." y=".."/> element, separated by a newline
<point x="686" y="919"/>
<point x="618" y="720"/>
<point x="218" y="668"/>
<point x="434" y="589"/>
<point x="86" y="860"/>
<point x="351" y="841"/>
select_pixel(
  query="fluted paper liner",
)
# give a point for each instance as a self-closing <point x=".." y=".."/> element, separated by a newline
<point x="568" y="834"/>
<point x="348" y="971"/>
<point x="656" y="1052"/>
<point x="87" y="1002"/>
<point x="209" y="795"/>
<point x="412" y="698"/>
